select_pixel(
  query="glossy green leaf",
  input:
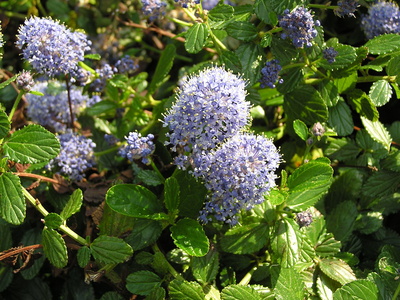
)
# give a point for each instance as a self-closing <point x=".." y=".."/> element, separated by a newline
<point x="205" y="268"/>
<point x="289" y="285"/>
<point x="239" y="292"/>
<point x="12" y="201"/>
<point x="245" y="239"/>
<point x="378" y="132"/>
<point x="283" y="50"/>
<point x="340" y="119"/>
<point x="242" y="31"/>
<point x="5" y="125"/>
<point x="111" y="296"/>
<point x="250" y="55"/>
<point x="327" y="245"/>
<point x="346" y="56"/>
<point x="53" y="220"/>
<point x="31" y="144"/>
<point x="142" y="282"/>
<point x="83" y="256"/>
<point x="381" y="183"/>
<point x="380" y="92"/>
<point x="301" y="129"/>
<point x="346" y="84"/>
<point x="33" y="236"/>
<point x="54" y="248"/>
<point x="133" y="201"/>
<point x="337" y="270"/>
<point x="163" y="67"/>
<point x="292" y="78"/>
<point x="183" y="290"/>
<point x="73" y="205"/>
<point x="171" y="194"/>
<point x="189" y="235"/>
<point x="110" y="250"/>
<point x="144" y="233"/>
<point x="383" y="43"/>
<point x="265" y="13"/>
<point x="196" y="37"/>
<point x="150" y="177"/>
<point x="359" y="289"/>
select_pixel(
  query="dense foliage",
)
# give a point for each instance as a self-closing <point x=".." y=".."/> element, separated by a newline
<point x="235" y="150"/>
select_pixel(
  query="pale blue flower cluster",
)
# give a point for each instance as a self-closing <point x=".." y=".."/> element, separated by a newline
<point x="126" y="65"/>
<point x="187" y="3"/>
<point x="209" y="4"/>
<point x="329" y="54"/>
<point x="238" y="174"/>
<point x="138" y="147"/>
<point x="104" y="72"/>
<point x="76" y="155"/>
<point x="210" y="107"/>
<point x="298" y="26"/>
<point x="382" y="18"/>
<point x="270" y="74"/>
<point x="346" y="8"/>
<point x="52" y="109"/>
<point x="154" y="9"/>
<point x="50" y="47"/>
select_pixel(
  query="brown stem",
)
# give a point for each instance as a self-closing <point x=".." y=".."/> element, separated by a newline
<point x="51" y="180"/>
<point x="5" y="254"/>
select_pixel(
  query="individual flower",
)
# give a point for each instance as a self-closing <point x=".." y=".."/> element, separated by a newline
<point x="50" y="47"/>
<point x="237" y="175"/>
<point x="318" y="129"/>
<point x="52" y="109"/>
<point x="382" y="18"/>
<point x="25" y="81"/>
<point x="154" y="9"/>
<point x="126" y="65"/>
<point x="270" y="74"/>
<point x="346" y="8"/>
<point x="187" y="3"/>
<point x="76" y="155"/>
<point x="210" y="107"/>
<point x="329" y="54"/>
<point x="304" y="219"/>
<point x="138" y="147"/>
<point x="299" y="26"/>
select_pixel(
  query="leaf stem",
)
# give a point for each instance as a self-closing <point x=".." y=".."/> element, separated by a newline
<point x="14" y="108"/>
<point x="396" y="293"/>
<point x="171" y="269"/>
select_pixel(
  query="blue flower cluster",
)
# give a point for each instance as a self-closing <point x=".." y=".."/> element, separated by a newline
<point x="209" y="4"/>
<point x="76" y="155"/>
<point x="126" y="65"/>
<point x="329" y="54"/>
<point x="238" y="174"/>
<point x="50" y="47"/>
<point x="382" y="18"/>
<point x="187" y="3"/>
<point x="270" y="74"/>
<point x="210" y="107"/>
<point x="346" y="8"/>
<point x="299" y="26"/>
<point x="25" y="81"/>
<point x="104" y="73"/>
<point x="154" y="9"/>
<point x="138" y="147"/>
<point x="52" y="109"/>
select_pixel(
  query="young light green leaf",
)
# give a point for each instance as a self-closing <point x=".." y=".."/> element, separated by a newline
<point x="12" y="201"/>
<point x="301" y="129"/>
<point x="5" y="125"/>
<point x="340" y="119"/>
<point x="383" y="43"/>
<point x="73" y="205"/>
<point x="54" y="248"/>
<point x="171" y="194"/>
<point x="53" y="220"/>
<point x="196" y="37"/>
<point x="183" y="290"/>
<point x="337" y="270"/>
<point x="289" y="286"/>
<point x="240" y="292"/>
<point x="110" y="250"/>
<point x="378" y="132"/>
<point x="358" y="289"/>
<point x="83" y="256"/>
<point x="205" y="268"/>
<point x="163" y="67"/>
<point x="380" y="92"/>
<point x="93" y="56"/>
<point x="142" y="282"/>
<point x="190" y="237"/>
<point x="31" y="144"/>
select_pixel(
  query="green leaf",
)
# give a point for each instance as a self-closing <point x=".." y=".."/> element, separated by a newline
<point x="231" y="61"/>
<point x="83" y="256"/>
<point x="150" y="177"/>
<point x="381" y="183"/>
<point x="163" y="67"/>
<point x="183" y="290"/>
<point x="340" y="119"/>
<point x="196" y="38"/>
<point x="54" y="248"/>
<point x="342" y="149"/>
<point x="190" y="237"/>
<point x="265" y="13"/>
<point x="111" y="296"/>
<point x="369" y="222"/>
<point x="73" y="205"/>
<point x="205" y="268"/>
<point x="102" y="107"/>
<point x="156" y="294"/>
<point x="383" y="44"/>
<point x="220" y="15"/>
<point x="250" y="55"/>
<point x="240" y="292"/>
<point x="307" y="184"/>
<point x="242" y="31"/>
<point x="12" y="201"/>
<point x="142" y="282"/>
<point x="357" y="290"/>
<point x="291" y="79"/>
<point x="245" y="239"/>
<point x="306" y="104"/>
<point x="341" y="220"/>
<point x="327" y="245"/>
<point x="144" y="233"/>
<point x="8" y="81"/>
<point x="347" y="83"/>
<point x="329" y="92"/>
<point x="93" y="56"/>
<point x="380" y="92"/>
<point x="363" y="105"/>
<point x="110" y="250"/>
<point x="5" y="236"/>
<point x="337" y="270"/>
<point x="346" y="56"/>
<point x="378" y="132"/>
<point x="53" y="220"/>
<point x="133" y="201"/>
<point x="283" y="50"/>
<point x="31" y="144"/>
<point x="5" y="125"/>
<point x="33" y="236"/>
<point x="289" y="285"/>
<point x="171" y="194"/>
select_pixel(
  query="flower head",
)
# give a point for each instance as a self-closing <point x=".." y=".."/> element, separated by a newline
<point x="154" y="9"/>
<point x="209" y="4"/>
<point x="304" y="218"/>
<point x="382" y="18"/>
<point x="138" y="147"/>
<point x="298" y="25"/>
<point x="210" y="107"/>
<point x="50" y="47"/>
<point x="104" y="73"/>
<point x="346" y="8"/>
<point x="187" y="3"/>
<point x="237" y="174"/>
<point x="25" y="81"/>
<point x="270" y="74"/>
<point x="318" y="129"/>
<point x="76" y="155"/>
<point x="126" y="65"/>
<point x="329" y="54"/>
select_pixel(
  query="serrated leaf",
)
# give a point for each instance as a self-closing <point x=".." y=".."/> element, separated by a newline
<point x="150" y="177"/>
<point x="378" y="132"/>
<point x="205" y="268"/>
<point x="380" y="92"/>
<point x="142" y="282"/>
<point x="381" y="184"/>
<point x="171" y="194"/>
<point x="337" y="270"/>
<point x="189" y="235"/>
<point x="265" y="13"/>
<point x="242" y="31"/>
<point x="54" y="248"/>
<point x="231" y="61"/>
<point x="183" y="290"/>
<point x="245" y="239"/>
<point x="345" y="57"/>
<point x="341" y="220"/>
<point x="239" y="292"/>
<point x="5" y="125"/>
<point x="196" y="37"/>
<point x="383" y="44"/>
<point x="289" y="285"/>
<point x="340" y="119"/>
<point x="327" y="245"/>
<point x="73" y="205"/>
<point x="357" y="290"/>
<point x="8" y="81"/>
<point x="163" y="67"/>
<point x="156" y="294"/>
<point x="133" y="201"/>
<point x="250" y="55"/>
<point x="31" y="144"/>
<point x="144" y="233"/>
<point x="392" y="162"/>
<point x="363" y="105"/>
<point x="220" y="15"/>
<point x="291" y="79"/>
<point x="83" y="256"/>
<point x="12" y="201"/>
<point x="110" y="250"/>
<point x="283" y="50"/>
<point x="329" y="92"/>
<point x="53" y="220"/>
